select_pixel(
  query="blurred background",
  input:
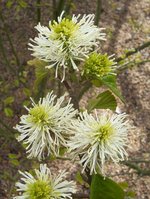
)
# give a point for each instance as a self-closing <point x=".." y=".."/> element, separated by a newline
<point x="127" y="27"/>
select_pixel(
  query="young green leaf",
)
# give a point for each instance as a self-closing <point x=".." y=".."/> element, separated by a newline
<point x="105" y="188"/>
<point x="79" y="178"/>
<point x="8" y="100"/>
<point x="104" y="100"/>
<point x="110" y="82"/>
<point x="8" y="112"/>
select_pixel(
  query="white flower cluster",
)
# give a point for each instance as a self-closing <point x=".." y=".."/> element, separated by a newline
<point x="49" y="126"/>
<point x="97" y="139"/>
<point x="53" y="124"/>
<point x="45" y="128"/>
<point x="44" y="186"/>
<point x="65" y="41"/>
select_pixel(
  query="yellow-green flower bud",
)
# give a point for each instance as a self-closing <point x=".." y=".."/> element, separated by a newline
<point x="97" y="65"/>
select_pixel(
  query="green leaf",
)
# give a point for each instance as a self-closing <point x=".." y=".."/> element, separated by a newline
<point x="16" y="82"/>
<point x="79" y="178"/>
<point x="22" y="3"/>
<point x="37" y="63"/>
<point x="97" y="82"/>
<point x="42" y="74"/>
<point x="105" y="188"/>
<point x="8" y="112"/>
<point x="110" y="82"/>
<point x="27" y="92"/>
<point x="131" y="194"/>
<point x="13" y="159"/>
<point x="62" y="151"/>
<point x="14" y="162"/>
<point x="123" y="185"/>
<point x="26" y="103"/>
<point x="12" y="156"/>
<point x="104" y="100"/>
<point x="9" y="100"/>
<point x="9" y="3"/>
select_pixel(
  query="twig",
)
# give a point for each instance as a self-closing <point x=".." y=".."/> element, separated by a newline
<point x="62" y="158"/>
<point x="9" y="39"/>
<point x="128" y="65"/>
<point x="139" y="171"/>
<point x="72" y="94"/>
<point x="135" y="50"/>
<point x="80" y="195"/>
<point x="60" y="7"/>
<point x="98" y="11"/>
<point x="139" y="161"/>
<point x="38" y="2"/>
<point x="68" y="7"/>
<point x="54" y="10"/>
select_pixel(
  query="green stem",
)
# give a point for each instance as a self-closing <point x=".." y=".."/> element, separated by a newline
<point x="128" y="65"/>
<point x="139" y="161"/>
<point x="62" y="158"/>
<point x="38" y="2"/>
<point x="68" y="7"/>
<point x="9" y="39"/>
<point x="98" y="11"/>
<point x="60" y="7"/>
<point x="137" y="168"/>
<point x="54" y="10"/>
<point x="135" y="50"/>
<point x="71" y="92"/>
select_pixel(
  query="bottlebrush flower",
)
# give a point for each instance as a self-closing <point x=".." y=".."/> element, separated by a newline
<point x="98" y="139"/>
<point x="65" y="41"/>
<point x="44" y="186"/>
<point x="99" y="65"/>
<point x="46" y="126"/>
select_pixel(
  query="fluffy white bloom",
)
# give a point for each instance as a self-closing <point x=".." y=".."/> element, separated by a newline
<point x="65" y="41"/>
<point x="44" y="186"/>
<point x="97" y="139"/>
<point x="46" y="126"/>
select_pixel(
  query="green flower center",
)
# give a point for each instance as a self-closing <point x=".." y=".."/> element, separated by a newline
<point x="97" y="65"/>
<point x="39" y="115"/>
<point x="63" y="30"/>
<point x="104" y="132"/>
<point x="39" y="190"/>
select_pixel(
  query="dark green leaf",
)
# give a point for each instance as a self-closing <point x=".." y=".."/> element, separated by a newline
<point x="9" y="100"/>
<point x="105" y="188"/>
<point x="104" y="100"/>
<point x="8" y="112"/>
<point x="110" y="82"/>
